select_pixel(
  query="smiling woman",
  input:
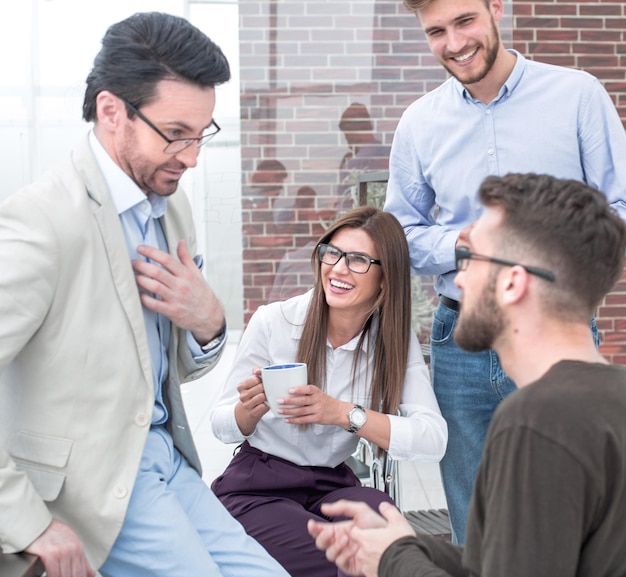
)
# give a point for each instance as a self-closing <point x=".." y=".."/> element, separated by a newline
<point x="352" y="286"/>
<point x="367" y="379"/>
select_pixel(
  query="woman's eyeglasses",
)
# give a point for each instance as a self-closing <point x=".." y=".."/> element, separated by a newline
<point x="357" y="262"/>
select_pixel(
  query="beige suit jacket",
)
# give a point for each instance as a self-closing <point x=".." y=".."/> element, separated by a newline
<point x="76" y="391"/>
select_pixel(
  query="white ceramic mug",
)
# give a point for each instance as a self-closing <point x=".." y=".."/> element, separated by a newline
<point x="278" y="379"/>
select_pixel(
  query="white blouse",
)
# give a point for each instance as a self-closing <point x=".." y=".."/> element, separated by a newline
<point x="419" y="432"/>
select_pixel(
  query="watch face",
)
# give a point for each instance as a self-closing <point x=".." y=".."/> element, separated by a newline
<point x="357" y="418"/>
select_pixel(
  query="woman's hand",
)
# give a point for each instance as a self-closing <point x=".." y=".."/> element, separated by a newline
<point x="251" y="406"/>
<point x="313" y="406"/>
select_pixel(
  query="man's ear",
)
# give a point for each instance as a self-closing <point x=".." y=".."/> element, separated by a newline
<point x="110" y="111"/>
<point x="514" y="285"/>
<point x="496" y="7"/>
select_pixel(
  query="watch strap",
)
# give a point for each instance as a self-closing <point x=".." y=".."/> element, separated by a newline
<point x="214" y="342"/>
<point x="354" y="426"/>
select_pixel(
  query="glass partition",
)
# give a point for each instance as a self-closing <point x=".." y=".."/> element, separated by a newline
<point x="316" y="93"/>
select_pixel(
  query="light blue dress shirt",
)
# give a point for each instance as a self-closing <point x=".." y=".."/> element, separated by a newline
<point x="546" y="119"/>
<point x="139" y="217"/>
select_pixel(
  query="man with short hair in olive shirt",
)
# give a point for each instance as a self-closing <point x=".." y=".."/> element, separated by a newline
<point x="550" y="496"/>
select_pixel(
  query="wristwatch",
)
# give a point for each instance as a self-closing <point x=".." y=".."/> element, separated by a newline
<point x="214" y="342"/>
<point x="357" y="418"/>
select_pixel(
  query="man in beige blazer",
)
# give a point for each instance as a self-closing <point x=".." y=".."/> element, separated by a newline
<point x="104" y="313"/>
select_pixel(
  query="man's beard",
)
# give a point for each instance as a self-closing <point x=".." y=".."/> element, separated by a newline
<point x="491" y="53"/>
<point x="147" y="175"/>
<point x="478" y="328"/>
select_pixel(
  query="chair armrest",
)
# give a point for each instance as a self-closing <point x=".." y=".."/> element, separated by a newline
<point x="20" y="565"/>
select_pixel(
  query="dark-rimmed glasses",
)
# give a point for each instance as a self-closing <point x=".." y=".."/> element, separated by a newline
<point x="463" y="255"/>
<point x="357" y="262"/>
<point x="176" y="145"/>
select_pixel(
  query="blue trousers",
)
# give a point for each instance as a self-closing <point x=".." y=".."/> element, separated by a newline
<point x="469" y="387"/>
<point x="176" y="527"/>
<point x="273" y="499"/>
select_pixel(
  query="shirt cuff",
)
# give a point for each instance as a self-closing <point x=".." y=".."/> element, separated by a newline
<point x="200" y="353"/>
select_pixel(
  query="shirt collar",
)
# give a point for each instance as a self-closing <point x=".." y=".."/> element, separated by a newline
<point x="124" y="191"/>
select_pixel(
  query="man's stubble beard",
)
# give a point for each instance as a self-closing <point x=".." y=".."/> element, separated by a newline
<point x="478" y="328"/>
<point x="490" y="58"/>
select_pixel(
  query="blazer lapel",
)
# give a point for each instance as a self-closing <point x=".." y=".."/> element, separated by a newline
<point x="108" y="223"/>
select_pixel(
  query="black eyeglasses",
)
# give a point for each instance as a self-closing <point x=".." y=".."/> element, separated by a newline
<point x="176" y="145"/>
<point x="463" y="255"/>
<point x="357" y="262"/>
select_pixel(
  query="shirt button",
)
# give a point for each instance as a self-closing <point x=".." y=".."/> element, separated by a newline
<point x="141" y="419"/>
<point x="490" y="151"/>
<point x="488" y="111"/>
<point x="120" y="491"/>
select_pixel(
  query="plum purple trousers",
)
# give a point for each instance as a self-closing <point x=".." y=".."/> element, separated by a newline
<point x="273" y="499"/>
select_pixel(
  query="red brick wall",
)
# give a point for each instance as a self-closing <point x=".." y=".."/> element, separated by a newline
<point x="303" y="63"/>
<point x="589" y="35"/>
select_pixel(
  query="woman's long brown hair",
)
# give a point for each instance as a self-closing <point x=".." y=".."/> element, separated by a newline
<point x="393" y="305"/>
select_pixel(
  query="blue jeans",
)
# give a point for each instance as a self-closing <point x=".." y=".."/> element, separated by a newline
<point x="469" y="388"/>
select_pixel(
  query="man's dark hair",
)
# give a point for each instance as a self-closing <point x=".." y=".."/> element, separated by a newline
<point x="148" y="47"/>
<point x="564" y="226"/>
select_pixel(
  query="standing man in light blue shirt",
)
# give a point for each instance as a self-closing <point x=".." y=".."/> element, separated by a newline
<point x="498" y="113"/>
<point x="105" y="312"/>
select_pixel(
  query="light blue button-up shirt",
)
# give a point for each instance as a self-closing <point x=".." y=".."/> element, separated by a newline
<point x="545" y="119"/>
<point x="139" y="216"/>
